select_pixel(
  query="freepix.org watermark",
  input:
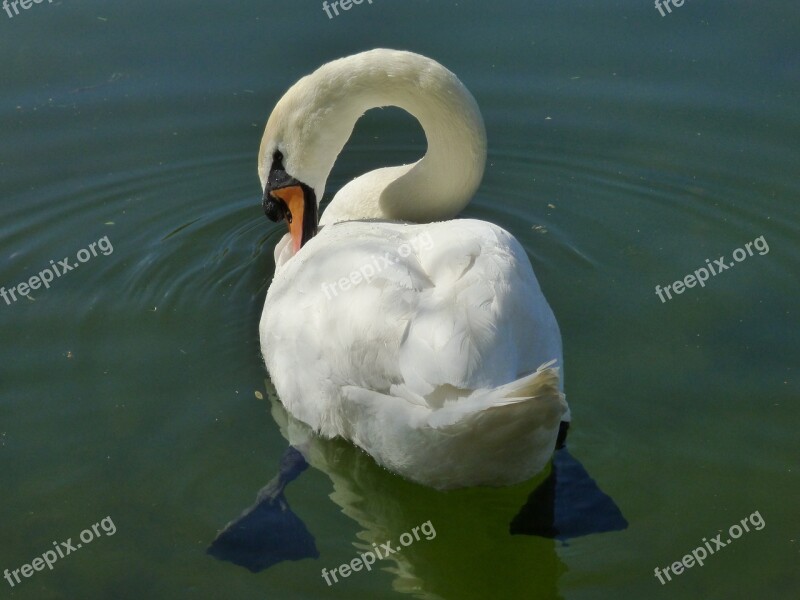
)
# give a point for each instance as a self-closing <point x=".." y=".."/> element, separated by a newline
<point x="377" y="264"/>
<point x="62" y="550"/>
<point x="56" y="270"/>
<point x="24" y="4"/>
<point x="368" y="558"/>
<point x="337" y="4"/>
<point x="666" y="4"/>
<point x="699" y="554"/>
<point x="702" y="274"/>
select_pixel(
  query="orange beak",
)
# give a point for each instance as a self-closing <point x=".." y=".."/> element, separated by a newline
<point x="294" y="198"/>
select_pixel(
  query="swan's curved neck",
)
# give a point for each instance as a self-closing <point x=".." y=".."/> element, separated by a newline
<point x="434" y="188"/>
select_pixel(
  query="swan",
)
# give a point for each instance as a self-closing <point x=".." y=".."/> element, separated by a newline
<point x="423" y="339"/>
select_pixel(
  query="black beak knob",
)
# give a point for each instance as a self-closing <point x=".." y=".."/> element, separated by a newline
<point x="274" y="208"/>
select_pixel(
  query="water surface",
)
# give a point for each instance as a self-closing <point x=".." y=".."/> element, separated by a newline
<point x="625" y="149"/>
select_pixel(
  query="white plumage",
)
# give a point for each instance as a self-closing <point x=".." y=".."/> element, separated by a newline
<point x="428" y="344"/>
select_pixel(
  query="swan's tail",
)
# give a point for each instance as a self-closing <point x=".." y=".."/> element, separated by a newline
<point x="498" y="436"/>
<point x="540" y="389"/>
<point x="510" y="431"/>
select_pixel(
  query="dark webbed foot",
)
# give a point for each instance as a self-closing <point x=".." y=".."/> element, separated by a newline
<point x="268" y="532"/>
<point x="568" y="503"/>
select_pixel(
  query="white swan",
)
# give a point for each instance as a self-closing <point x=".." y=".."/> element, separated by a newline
<point x="426" y="342"/>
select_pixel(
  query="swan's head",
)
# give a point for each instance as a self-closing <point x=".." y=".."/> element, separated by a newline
<point x="313" y="120"/>
<point x="288" y="183"/>
<point x="288" y="198"/>
<point x="304" y="135"/>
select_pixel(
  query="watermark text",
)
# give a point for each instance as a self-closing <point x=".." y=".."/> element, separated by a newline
<point x="55" y="270"/>
<point x="666" y="4"/>
<point x="699" y="554"/>
<point x="24" y="4"/>
<point x="337" y="4"/>
<point x="369" y="269"/>
<point x="368" y="558"/>
<point x="703" y="274"/>
<point x="61" y="550"/>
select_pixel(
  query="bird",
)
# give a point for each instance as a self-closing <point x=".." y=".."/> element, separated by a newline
<point x="422" y="338"/>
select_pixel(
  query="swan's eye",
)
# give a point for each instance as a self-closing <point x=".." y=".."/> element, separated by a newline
<point x="277" y="160"/>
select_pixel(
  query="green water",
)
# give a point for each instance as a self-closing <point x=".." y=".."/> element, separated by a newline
<point x="626" y="148"/>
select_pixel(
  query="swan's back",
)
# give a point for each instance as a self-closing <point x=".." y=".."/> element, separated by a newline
<point x="430" y="311"/>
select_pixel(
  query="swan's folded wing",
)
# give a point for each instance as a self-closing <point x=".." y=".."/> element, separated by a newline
<point x="484" y="321"/>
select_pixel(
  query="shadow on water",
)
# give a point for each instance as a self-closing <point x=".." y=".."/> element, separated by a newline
<point x="473" y="527"/>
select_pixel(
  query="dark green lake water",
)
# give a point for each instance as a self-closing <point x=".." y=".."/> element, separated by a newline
<point x="625" y="149"/>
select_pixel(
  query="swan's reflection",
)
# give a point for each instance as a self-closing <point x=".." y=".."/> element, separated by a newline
<point x="473" y="553"/>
